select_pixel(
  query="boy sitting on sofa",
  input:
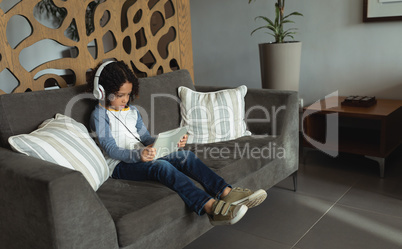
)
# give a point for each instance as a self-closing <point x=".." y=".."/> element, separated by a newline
<point x="128" y="150"/>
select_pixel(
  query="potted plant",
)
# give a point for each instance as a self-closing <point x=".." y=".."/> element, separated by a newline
<point x="279" y="60"/>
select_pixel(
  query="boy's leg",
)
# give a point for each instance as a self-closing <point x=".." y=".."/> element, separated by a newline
<point x="168" y="175"/>
<point x="188" y="163"/>
<point x="219" y="212"/>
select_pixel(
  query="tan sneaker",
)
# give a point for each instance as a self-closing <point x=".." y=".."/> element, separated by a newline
<point x="240" y="196"/>
<point x="226" y="213"/>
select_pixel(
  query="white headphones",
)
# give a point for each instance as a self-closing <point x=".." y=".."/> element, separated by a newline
<point x="99" y="92"/>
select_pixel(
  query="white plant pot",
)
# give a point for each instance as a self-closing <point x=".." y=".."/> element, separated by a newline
<point x="280" y="65"/>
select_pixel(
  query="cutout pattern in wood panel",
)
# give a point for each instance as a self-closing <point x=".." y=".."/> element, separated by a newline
<point x="55" y="42"/>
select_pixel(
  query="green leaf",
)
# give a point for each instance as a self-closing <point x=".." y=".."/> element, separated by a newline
<point x="265" y="19"/>
<point x="288" y="21"/>
<point x="277" y="17"/>
<point x="263" y="27"/>
<point x="293" y="14"/>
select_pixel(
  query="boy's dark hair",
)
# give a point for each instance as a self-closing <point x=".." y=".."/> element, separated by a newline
<point x="112" y="77"/>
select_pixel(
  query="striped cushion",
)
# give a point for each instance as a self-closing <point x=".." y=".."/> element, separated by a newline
<point x="65" y="142"/>
<point x="213" y="116"/>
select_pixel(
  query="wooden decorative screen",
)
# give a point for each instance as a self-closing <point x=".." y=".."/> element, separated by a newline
<point x="153" y="37"/>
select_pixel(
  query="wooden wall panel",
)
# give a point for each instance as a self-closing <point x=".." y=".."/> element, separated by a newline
<point x="152" y="36"/>
<point x="186" y="44"/>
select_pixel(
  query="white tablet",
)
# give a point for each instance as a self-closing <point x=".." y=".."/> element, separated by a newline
<point x="167" y="141"/>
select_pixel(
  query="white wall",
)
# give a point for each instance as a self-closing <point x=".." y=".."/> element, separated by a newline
<point x="339" y="52"/>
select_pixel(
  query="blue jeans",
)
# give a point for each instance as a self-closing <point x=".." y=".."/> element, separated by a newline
<point x="174" y="171"/>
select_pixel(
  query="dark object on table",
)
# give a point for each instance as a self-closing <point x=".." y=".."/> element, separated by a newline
<point x="359" y="101"/>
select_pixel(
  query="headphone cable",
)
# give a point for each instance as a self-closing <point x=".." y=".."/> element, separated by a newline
<point x="127" y="128"/>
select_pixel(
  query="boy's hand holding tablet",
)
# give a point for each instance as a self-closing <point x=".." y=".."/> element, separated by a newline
<point x="166" y="143"/>
<point x="182" y="141"/>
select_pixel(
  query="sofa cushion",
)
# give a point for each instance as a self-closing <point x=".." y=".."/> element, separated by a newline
<point x="140" y="208"/>
<point x="158" y="101"/>
<point x="213" y="116"/>
<point x="239" y="157"/>
<point x="65" y="142"/>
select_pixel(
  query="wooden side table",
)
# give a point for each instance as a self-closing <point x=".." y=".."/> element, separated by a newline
<point x="373" y="131"/>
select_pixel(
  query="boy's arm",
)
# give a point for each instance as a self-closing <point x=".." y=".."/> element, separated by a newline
<point x="100" y="124"/>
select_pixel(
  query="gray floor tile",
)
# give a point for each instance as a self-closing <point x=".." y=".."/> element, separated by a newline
<point x="323" y="178"/>
<point x="356" y="165"/>
<point x="284" y="216"/>
<point x="377" y="195"/>
<point x="227" y="237"/>
<point x="349" y="228"/>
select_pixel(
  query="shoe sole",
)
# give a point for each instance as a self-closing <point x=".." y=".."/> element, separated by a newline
<point x="242" y="211"/>
<point x="252" y="200"/>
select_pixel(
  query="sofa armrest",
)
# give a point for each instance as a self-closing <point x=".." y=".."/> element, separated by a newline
<point x="276" y="113"/>
<point x="273" y="113"/>
<point x="47" y="206"/>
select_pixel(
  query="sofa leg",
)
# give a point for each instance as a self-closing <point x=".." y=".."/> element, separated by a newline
<point x="294" y="175"/>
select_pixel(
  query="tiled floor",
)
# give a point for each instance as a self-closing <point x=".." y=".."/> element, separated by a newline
<point x="340" y="203"/>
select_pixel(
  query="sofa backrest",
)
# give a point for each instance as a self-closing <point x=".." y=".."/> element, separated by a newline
<point x="158" y="102"/>
<point x="22" y="113"/>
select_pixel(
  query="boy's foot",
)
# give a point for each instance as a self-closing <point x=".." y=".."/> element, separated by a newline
<point x="239" y="196"/>
<point x="226" y="213"/>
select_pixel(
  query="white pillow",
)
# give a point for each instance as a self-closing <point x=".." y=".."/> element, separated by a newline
<point x="65" y="142"/>
<point x="213" y="116"/>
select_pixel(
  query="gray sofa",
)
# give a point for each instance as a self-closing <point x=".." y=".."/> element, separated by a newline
<point x="47" y="206"/>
